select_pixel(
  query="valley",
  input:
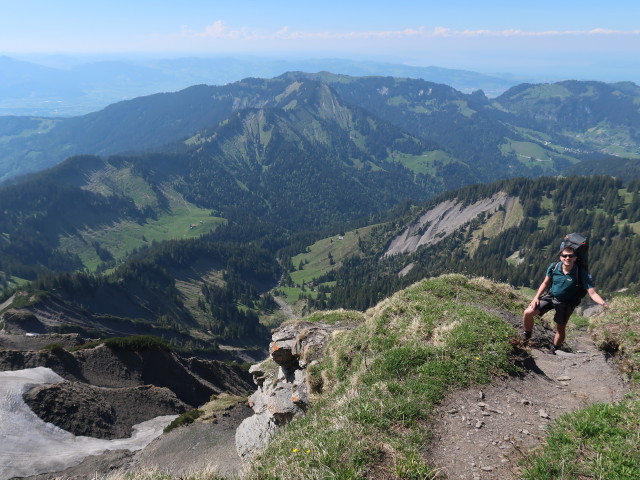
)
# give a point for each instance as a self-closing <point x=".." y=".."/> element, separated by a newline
<point x="154" y="246"/>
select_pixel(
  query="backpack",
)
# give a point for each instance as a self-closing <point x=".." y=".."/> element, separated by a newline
<point x="581" y="247"/>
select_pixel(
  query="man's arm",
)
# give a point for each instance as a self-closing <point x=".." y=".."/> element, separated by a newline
<point x="596" y="297"/>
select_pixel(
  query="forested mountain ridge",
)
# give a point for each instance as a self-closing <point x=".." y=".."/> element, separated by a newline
<point x="512" y="240"/>
<point x="469" y="128"/>
<point x="586" y="117"/>
<point x="593" y="113"/>
<point x="295" y="155"/>
<point x="307" y="162"/>
<point x="193" y="293"/>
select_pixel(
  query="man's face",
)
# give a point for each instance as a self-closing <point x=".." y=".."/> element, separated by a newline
<point x="568" y="257"/>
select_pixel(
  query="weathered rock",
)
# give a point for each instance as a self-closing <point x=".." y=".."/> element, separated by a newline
<point x="254" y="433"/>
<point x="283" y="391"/>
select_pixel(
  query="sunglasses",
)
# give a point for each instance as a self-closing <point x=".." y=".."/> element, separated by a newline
<point x="568" y="255"/>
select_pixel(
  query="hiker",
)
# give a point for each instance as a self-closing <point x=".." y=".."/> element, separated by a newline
<point x="562" y="290"/>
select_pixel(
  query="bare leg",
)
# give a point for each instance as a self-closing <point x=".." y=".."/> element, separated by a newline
<point x="560" y="334"/>
<point x="527" y="318"/>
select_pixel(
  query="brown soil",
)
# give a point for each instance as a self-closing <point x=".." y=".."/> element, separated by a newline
<point x="483" y="433"/>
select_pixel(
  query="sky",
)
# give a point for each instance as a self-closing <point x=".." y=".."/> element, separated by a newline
<point x="601" y="39"/>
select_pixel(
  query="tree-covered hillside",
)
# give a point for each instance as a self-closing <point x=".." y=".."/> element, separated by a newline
<point x="513" y="247"/>
<point x="306" y="163"/>
<point x="489" y="140"/>
<point x="191" y="292"/>
<point x="268" y="166"/>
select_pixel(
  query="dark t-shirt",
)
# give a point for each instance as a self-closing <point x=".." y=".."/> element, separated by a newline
<point x="568" y="287"/>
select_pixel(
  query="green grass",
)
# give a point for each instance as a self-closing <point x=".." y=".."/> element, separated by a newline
<point x="133" y="343"/>
<point x="426" y="163"/>
<point x="528" y="153"/>
<point x="316" y="260"/>
<point x="613" y="140"/>
<point x="464" y="109"/>
<point x="24" y="300"/>
<point x="601" y="441"/>
<point x="44" y="125"/>
<point x="376" y="387"/>
<point x="123" y="237"/>
<point x="618" y="332"/>
<point x="290" y="294"/>
<point x="184" y="419"/>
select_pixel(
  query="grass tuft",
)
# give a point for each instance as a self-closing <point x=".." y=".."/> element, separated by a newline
<point x="601" y="441"/>
<point x="617" y="332"/>
<point x="185" y="419"/>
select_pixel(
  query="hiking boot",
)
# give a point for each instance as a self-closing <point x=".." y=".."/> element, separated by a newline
<point x="552" y="350"/>
<point x="525" y="338"/>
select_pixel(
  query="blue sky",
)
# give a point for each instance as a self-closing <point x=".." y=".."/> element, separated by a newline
<point x="586" y="37"/>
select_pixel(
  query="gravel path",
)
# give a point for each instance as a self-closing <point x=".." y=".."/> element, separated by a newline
<point x="482" y="434"/>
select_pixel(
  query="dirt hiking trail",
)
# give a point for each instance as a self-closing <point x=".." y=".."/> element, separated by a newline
<point x="482" y="433"/>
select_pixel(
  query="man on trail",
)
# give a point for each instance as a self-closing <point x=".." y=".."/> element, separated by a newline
<point x="562" y="289"/>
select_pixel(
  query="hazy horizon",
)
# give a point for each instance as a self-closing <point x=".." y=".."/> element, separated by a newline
<point x="571" y="39"/>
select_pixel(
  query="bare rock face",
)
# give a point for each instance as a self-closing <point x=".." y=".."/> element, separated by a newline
<point x="107" y="413"/>
<point x="283" y="391"/>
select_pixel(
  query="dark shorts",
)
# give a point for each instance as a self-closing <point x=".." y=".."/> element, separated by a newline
<point x="563" y="309"/>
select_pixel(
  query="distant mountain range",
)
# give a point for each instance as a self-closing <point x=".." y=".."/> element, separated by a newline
<point x="477" y="138"/>
<point x="222" y="186"/>
<point x="28" y="88"/>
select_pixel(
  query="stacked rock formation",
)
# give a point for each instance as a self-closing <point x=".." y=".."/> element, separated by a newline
<point x="283" y="390"/>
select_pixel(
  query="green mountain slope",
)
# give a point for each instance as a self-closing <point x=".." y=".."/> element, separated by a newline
<point x="294" y="157"/>
<point x="305" y="163"/>
<point x="508" y="231"/>
<point x="470" y="128"/>
<point x="133" y="125"/>
<point x="193" y="293"/>
<point x="308" y="162"/>
<point x="594" y="115"/>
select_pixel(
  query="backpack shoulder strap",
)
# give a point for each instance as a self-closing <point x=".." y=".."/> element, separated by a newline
<point x="579" y="276"/>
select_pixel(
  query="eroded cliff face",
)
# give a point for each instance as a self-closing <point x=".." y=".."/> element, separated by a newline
<point x="283" y="387"/>
<point x="442" y="220"/>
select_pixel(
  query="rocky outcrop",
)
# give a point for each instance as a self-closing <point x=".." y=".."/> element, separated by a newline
<point x="442" y="220"/>
<point x="283" y="389"/>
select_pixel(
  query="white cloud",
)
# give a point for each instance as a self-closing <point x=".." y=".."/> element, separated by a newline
<point x="218" y="30"/>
